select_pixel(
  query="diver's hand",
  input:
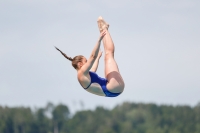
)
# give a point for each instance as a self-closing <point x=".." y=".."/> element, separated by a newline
<point x="102" y="35"/>
<point x="100" y="53"/>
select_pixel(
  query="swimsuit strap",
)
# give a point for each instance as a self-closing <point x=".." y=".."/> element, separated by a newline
<point x="88" y="85"/>
<point x="90" y="81"/>
<point x="93" y="78"/>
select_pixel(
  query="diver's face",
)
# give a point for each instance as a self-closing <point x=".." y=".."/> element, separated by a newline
<point x="84" y="60"/>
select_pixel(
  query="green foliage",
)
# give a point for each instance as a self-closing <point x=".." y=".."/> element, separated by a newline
<point x="60" y="116"/>
<point x="124" y="118"/>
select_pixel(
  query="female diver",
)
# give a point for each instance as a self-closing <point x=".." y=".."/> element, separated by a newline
<point x="111" y="86"/>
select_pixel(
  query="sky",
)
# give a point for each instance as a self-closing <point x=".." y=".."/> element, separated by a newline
<point x="157" y="50"/>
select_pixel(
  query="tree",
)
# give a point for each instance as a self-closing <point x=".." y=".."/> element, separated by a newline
<point x="60" y="116"/>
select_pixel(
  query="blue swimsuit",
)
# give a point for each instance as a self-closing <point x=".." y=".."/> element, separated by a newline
<point x="102" y="82"/>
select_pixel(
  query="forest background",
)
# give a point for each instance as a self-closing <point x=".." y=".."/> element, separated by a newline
<point x="124" y="118"/>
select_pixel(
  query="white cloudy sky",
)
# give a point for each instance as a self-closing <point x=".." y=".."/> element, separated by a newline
<point x="157" y="50"/>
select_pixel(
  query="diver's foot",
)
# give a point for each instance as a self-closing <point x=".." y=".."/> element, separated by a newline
<point x="102" y="24"/>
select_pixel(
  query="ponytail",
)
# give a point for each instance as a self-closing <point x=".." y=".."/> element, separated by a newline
<point x="74" y="61"/>
<point x="69" y="58"/>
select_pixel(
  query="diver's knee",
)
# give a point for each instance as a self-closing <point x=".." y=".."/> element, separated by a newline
<point x="109" y="55"/>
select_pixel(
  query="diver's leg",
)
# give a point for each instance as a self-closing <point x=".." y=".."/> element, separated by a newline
<point x="115" y="81"/>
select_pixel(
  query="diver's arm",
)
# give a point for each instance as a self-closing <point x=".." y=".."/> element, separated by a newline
<point x="87" y="66"/>
<point x="96" y="63"/>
